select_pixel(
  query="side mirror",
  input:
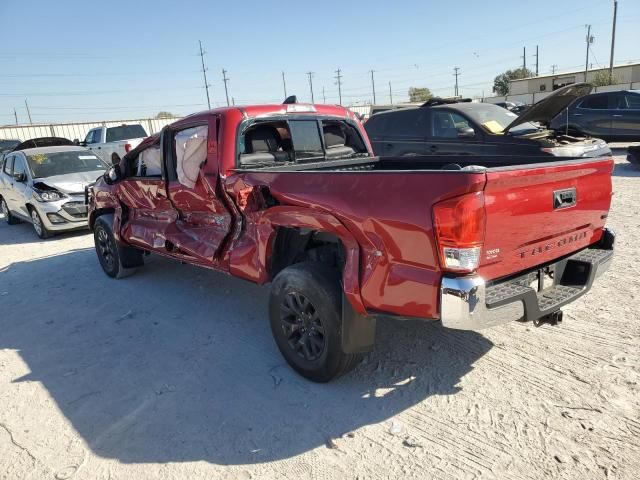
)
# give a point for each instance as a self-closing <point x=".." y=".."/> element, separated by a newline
<point x="76" y="141"/>
<point x="115" y="158"/>
<point x="466" y="132"/>
<point x="112" y="175"/>
<point x="20" y="177"/>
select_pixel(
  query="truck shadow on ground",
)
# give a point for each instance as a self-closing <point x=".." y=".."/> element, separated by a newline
<point x="178" y="364"/>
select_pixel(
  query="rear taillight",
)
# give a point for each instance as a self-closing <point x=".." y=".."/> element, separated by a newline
<point x="459" y="225"/>
<point x="127" y="147"/>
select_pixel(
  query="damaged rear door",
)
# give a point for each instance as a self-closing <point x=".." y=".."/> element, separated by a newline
<point x="202" y="218"/>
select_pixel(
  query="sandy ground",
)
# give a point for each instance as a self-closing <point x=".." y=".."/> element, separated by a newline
<point x="173" y="374"/>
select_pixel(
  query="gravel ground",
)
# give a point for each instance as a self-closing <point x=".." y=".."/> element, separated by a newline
<point x="173" y="374"/>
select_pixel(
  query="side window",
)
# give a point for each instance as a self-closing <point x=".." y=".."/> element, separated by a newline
<point x="90" y="138"/>
<point x="633" y="101"/>
<point x="447" y="124"/>
<point x="19" y="166"/>
<point x="148" y="163"/>
<point x="8" y="165"/>
<point x="410" y="123"/>
<point x="619" y="102"/>
<point x="191" y="153"/>
<point x="595" y="102"/>
<point x="376" y="126"/>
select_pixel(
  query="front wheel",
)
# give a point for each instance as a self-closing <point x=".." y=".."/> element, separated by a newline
<point x="305" y="311"/>
<point x="117" y="262"/>
<point x="38" y="225"/>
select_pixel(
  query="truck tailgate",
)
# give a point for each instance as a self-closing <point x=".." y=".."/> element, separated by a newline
<point x="537" y="214"/>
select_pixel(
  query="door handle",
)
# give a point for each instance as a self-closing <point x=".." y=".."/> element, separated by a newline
<point x="617" y="116"/>
<point x="389" y="145"/>
<point x="433" y="149"/>
<point x="99" y="148"/>
<point x="577" y="114"/>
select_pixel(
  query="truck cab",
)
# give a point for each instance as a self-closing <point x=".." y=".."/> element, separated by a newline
<point x="112" y="143"/>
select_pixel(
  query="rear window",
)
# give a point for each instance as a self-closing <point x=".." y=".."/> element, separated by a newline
<point x="125" y="132"/>
<point x="305" y="136"/>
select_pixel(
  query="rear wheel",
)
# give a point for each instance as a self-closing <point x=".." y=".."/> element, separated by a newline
<point x="8" y="216"/>
<point x="38" y="226"/>
<point x="305" y="313"/>
<point x="116" y="261"/>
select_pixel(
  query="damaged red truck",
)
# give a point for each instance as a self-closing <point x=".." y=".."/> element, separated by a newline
<point x="291" y="194"/>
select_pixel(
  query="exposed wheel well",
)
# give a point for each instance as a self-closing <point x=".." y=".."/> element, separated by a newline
<point x="97" y="213"/>
<point x="295" y="245"/>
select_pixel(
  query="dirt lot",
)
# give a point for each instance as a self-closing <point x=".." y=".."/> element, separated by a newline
<point x="173" y="374"/>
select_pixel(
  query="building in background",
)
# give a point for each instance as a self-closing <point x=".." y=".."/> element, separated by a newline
<point x="624" y="74"/>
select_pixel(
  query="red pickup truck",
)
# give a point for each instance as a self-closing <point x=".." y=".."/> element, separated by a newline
<point x="291" y="194"/>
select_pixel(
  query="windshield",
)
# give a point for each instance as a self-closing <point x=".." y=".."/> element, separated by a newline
<point x="494" y="118"/>
<point x="125" y="132"/>
<point x="8" y="144"/>
<point x="49" y="164"/>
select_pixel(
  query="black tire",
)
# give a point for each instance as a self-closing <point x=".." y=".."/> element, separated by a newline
<point x="116" y="261"/>
<point x="305" y="312"/>
<point x="38" y="226"/>
<point x="8" y="216"/>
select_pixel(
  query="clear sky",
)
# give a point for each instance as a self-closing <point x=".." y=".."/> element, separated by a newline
<point x="118" y="59"/>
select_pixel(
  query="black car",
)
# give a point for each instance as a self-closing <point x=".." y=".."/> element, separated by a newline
<point x="608" y="115"/>
<point x="633" y="155"/>
<point x="450" y="127"/>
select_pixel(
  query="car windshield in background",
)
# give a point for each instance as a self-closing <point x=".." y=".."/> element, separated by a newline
<point x="495" y="119"/>
<point x="125" y="132"/>
<point x="44" y="165"/>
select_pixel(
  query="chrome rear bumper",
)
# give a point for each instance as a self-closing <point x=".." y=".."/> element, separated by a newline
<point x="469" y="303"/>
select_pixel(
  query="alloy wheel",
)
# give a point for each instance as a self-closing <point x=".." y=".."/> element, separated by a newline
<point x="302" y="326"/>
<point x="105" y="248"/>
<point x="37" y="224"/>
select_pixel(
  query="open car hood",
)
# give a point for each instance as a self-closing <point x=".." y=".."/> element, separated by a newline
<point x="547" y="108"/>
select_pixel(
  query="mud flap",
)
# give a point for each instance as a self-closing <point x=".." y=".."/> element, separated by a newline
<point x="358" y="331"/>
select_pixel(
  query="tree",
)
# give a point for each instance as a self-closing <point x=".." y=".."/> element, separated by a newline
<point x="501" y="82"/>
<point x="419" y="94"/>
<point x="603" y="78"/>
<point x="165" y="115"/>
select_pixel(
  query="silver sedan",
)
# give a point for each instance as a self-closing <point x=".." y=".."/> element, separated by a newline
<point x="45" y="186"/>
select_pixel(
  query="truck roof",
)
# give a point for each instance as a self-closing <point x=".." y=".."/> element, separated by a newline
<point x="280" y="109"/>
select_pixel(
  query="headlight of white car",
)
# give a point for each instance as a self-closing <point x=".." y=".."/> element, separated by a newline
<point x="48" y="195"/>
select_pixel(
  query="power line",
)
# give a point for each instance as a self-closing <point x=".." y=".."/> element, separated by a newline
<point x="310" y="75"/>
<point x="338" y="77"/>
<point x="204" y="73"/>
<point x="373" y="86"/>
<point x="284" y="85"/>
<point x="456" y="74"/>
<point x="225" y="79"/>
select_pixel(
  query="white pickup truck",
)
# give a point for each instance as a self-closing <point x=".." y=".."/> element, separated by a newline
<point x="105" y="141"/>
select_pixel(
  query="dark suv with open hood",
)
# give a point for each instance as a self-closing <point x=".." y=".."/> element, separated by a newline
<point x="461" y="127"/>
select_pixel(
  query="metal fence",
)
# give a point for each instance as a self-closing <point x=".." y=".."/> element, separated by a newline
<point x="77" y="130"/>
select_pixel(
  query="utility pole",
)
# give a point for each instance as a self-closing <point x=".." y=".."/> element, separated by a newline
<point x="284" y="85"/>
<point x="553" y="69"/>
<point x="324" y="98"/>
<point x="613" y="39"/>
<point x="338" y="77"/>
<point x="373" y="86"/>
<point x="204" y="73"/>
<point x="524" y="59"/>
<point x="536" y="60"/>
<point x="589" y="42"/>
<point x="28" y="111"/>
<point x="15" y="114"/>
<point x="456" y="74"/>
<point x="225" y="79"/>
<point x="390" y="95"/>
<point x="310" y="75"/>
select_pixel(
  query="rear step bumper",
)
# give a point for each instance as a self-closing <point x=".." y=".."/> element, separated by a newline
<point x="469" y="303"/>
